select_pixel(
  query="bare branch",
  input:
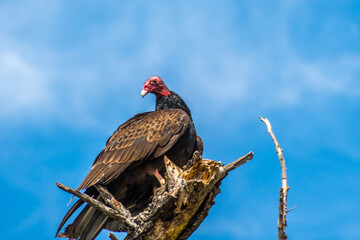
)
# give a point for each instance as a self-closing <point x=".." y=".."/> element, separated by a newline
<point x="110" y="199"/>
<point x="113" y="213"/>
<point x="282" y="222"/>
<point x="291" y="209"/>
<point x="177" y="208"/>
<point x="238" y="162"/>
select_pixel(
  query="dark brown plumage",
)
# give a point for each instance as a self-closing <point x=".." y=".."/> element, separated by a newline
<point x="132" y="155"/>
<point x="145" y="135"/>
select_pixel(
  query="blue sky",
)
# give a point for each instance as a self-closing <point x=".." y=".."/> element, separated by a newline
<point x="72" y="71"/>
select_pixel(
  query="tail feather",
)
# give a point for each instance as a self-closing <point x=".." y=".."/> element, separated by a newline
<point x="87" y="225"/>
<point x="82" y="221"/>
<point x="68" y="215"/>
<point x="97" y="223"/>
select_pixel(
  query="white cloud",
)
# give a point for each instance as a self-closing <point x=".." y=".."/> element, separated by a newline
<point x="23" y="87"/>
<point x="210" y="53"/>
<point x="327" y="77"/>
<point x="215" y="62"/>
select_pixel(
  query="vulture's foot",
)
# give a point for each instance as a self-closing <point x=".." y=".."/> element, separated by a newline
<point x="159" y="177"/>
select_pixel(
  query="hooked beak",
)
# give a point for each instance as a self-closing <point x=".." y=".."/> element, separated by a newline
<point x="143" y="93"/>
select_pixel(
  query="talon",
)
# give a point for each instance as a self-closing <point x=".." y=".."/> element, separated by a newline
<point x="159" y="177"/>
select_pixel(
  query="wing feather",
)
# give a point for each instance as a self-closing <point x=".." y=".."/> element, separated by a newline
<point x="144" y="136"/>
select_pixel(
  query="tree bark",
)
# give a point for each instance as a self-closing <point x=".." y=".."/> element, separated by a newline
<point x="177" y="208"/>
<point x="282" y="221"/>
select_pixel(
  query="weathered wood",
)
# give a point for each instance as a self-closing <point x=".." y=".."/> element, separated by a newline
<point x="179" y="206"/>
<point x="110" y="200"/>
<point x="282" y="221"/>
<point x="238" y="162"/>
<point x="113" y="213"/>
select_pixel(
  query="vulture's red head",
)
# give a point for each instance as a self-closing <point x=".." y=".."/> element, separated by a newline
<point x="156" y="86"/>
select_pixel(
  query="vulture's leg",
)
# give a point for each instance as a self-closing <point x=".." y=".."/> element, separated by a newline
<point x="159" y="177"/>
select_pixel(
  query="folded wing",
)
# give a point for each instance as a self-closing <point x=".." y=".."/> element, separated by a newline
<point x="143" y="137"/>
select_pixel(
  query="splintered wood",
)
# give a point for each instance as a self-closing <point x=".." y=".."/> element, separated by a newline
<point x="180" y="205"/>
<point x="195" y="190"/>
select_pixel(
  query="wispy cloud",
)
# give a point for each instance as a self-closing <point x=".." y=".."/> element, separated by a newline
<point x="268" y="75"/>
<point x="24" y="88"/>
<point x="83" y="65"/>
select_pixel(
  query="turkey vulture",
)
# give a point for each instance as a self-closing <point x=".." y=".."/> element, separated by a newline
<point x="132" y="161"/>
